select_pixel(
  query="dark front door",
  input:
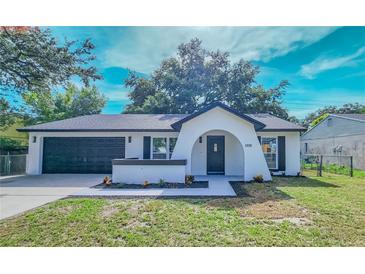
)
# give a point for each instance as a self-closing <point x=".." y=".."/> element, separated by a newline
<point x="81" y="154"/>
<point x="215" y="155"/>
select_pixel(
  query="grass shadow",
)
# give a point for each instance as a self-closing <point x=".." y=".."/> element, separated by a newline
<point x="300" y="181"/>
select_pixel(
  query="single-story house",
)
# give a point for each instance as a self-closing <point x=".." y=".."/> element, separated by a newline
<point x="338" y="134"/>
<point x="217" y="140"/>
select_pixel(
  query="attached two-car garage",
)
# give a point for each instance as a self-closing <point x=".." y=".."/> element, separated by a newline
<point x="81" y="154"/>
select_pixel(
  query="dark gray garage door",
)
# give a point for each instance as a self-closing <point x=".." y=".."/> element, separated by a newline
<point x="81" y="154"/>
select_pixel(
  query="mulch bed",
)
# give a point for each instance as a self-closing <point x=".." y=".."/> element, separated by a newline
<point x="196" y="184"/>
<point x="238" y="187"/>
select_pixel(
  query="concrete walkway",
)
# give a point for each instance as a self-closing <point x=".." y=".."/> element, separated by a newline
<point x="218" y="186"/>
<point x="22" y="193"/>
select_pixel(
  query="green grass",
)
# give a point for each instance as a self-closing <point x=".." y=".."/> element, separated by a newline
<point x="311" y="211"/>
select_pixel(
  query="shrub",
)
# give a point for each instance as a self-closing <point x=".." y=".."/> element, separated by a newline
<point x="258" y="179"/>
<point x="189" y="179"/>
<point x="7" y="143"/>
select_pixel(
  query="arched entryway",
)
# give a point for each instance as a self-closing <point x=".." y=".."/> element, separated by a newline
<point x="221" y="120"/>
<point x="217" y="152"/>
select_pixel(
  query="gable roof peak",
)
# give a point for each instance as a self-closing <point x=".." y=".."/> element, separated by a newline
<point x="257" y="124"/>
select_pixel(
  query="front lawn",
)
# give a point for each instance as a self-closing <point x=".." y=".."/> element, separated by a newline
<point x="312" y="211"/>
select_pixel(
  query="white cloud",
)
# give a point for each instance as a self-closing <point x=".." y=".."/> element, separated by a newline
<point x="143" y="48"/>
<point x="114" y="93"/>
<point x="302" y="101"/>
<point x="117" y="95"/>
<point x="322" y="63"/>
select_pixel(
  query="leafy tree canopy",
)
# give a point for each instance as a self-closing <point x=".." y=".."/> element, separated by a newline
<point x="32" y="60"/>
<point x="197" y="77"/>
<point x="9" y="144"/>
<point x="7" y="115"/>
<point x="50" y="106"/>
<point x="317" y="116"/>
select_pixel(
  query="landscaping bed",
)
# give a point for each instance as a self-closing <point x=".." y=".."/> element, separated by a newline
<point x="238" y="187"/>
<point x="196" y="184"/>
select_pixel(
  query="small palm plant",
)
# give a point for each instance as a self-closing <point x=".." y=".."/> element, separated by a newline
<point x="107" y="181"/>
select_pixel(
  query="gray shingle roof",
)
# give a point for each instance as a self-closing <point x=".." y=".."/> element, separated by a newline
<point x="112" y="122"/>
<point x="144" y="122"/>
<point x="360" y="117"/>
<point x="275" y="123"/>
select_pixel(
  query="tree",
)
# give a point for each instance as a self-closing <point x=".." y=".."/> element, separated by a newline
<point x="7" y="115"/>
<point x="31" y="59"/>
<point x="317" y="116"/>
<point x="47" y="106"/>
<point x="9" y="144"/>
<point x="197" y="77"/>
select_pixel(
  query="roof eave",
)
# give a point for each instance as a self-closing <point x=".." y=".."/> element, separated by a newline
<point x="281" y="129"/>
<point x="95" y="130"/>
<point x="258" y="125"/>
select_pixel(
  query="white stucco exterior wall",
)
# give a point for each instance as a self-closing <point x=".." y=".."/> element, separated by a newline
<point x="292" y="150"/>
<point x="34" y="157"/>
<point x="137" y="174"/>
<point x="234" y="156"/>
<point x="219" y="119"/>
<point x="132" y="150"/>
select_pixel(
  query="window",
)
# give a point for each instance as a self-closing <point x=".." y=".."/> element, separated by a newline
<point x="306" y="147"/>
<point x="34" y="139"/>
<point x="129" y="139"/>
<point x="215" y="147"/>
<point x="172" y="143"/>
<point x="269" y="146"/>
<point x="160" y="147"/>
<point x="159" y="150"/>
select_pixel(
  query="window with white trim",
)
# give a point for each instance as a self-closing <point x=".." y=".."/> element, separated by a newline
<point x="162" y="147"/>
<point x="269" y="147"/>
<point x="159" y="146"/>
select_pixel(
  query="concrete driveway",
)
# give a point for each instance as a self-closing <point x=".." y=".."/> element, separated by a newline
<point x="22" y="193"/>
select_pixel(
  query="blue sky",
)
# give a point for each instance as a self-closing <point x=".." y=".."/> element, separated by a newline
<point x="324" y="65"/>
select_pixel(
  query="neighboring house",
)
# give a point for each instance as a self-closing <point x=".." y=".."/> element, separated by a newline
<point x="136" y="147"/>
<point x="338" y="134"/>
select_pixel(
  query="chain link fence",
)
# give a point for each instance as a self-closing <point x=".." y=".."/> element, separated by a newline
<point x="12" y="164"/>
<point x="337" y="164"/>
